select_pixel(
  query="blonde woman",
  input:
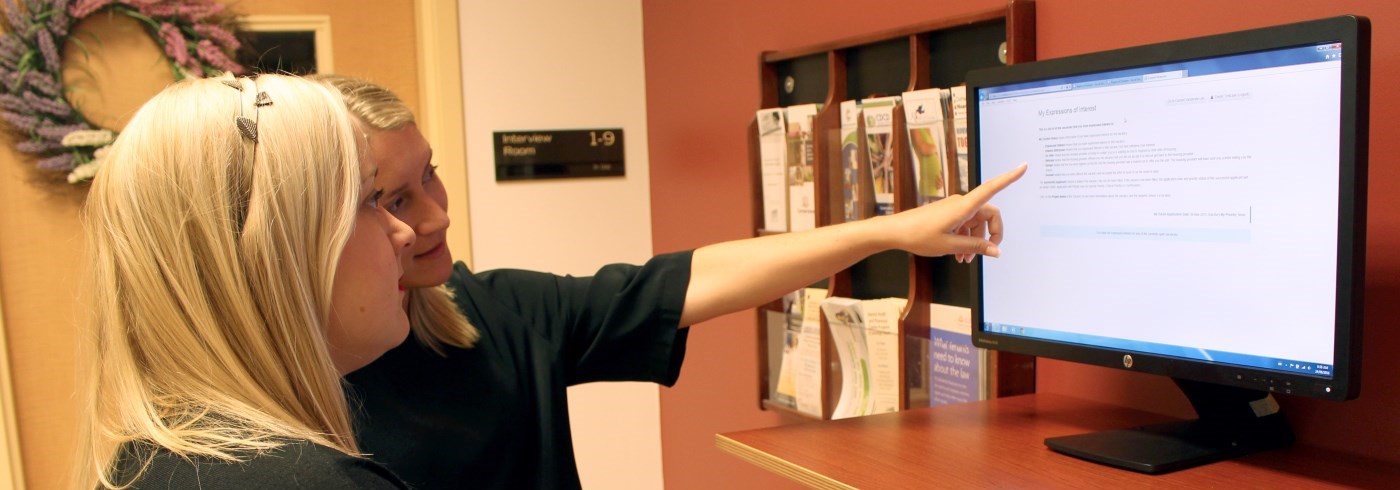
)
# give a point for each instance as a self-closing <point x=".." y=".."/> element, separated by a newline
<point x="241" y="266"/>
<point x="480" y="401"/>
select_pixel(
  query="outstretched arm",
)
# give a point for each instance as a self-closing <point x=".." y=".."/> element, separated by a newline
<point x="732" y="276"/>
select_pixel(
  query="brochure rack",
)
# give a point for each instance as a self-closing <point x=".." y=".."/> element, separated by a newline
<point x="936" y="53"/>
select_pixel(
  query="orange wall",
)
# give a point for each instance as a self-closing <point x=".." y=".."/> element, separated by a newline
<point x="702" y="89"/>
<point x="41" y="241"/>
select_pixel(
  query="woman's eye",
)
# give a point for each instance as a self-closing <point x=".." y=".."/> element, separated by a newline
<point x="395" y="205"/>
<point x="373" y="200"/>
<point x="431" y="173"/>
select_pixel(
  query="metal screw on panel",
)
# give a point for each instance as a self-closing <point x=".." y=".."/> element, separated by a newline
<point x="1001" y="53"/>
<point x="789" y="84"/>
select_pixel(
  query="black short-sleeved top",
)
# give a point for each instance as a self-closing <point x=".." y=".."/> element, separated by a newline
<point x="295" y="465"/>
<point x="496" y="415"/>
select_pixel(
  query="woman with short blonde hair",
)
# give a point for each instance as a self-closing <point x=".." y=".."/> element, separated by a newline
<point x="240" y="267"/>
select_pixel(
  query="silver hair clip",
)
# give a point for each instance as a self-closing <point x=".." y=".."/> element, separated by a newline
<point x="248" y="127"/>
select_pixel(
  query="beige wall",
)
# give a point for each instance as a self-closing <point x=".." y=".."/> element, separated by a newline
<point x="562" y="64"/>
<point x="40" y="242"/>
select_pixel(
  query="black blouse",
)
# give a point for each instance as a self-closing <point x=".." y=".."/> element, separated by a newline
<point x="496" y="415"/>
<point x="295" y="465"/>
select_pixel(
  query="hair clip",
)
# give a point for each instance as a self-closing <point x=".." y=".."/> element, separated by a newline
<point x="233" y="84"/>
<point x="262" y="100"/>
<point x="247" y="127"/>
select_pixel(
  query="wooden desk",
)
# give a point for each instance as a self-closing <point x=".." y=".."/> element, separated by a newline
<point x="999" y="443"/>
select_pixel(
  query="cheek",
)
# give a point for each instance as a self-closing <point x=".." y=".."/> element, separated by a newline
<point x="362" y="247"/>
<point x="437" y="192"/>
<point x="367" y="268"/>
<point x="365" y="301"/>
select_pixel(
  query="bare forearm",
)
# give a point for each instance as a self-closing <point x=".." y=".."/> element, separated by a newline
<point x="741" y="274"/>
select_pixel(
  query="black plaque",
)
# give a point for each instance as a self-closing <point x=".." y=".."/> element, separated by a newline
<point x="558" y="154"/>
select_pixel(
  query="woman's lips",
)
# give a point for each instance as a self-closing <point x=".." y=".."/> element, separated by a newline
<point x="432" y="252"/>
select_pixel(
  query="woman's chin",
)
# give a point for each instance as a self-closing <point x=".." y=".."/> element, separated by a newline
<point x="427" y="278"/>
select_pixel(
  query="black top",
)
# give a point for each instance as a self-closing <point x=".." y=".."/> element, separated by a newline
<point x="298" y="464"/>
<point x="496" y="415"/>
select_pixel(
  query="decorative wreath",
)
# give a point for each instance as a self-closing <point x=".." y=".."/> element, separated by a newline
<point x="195" y="35"/>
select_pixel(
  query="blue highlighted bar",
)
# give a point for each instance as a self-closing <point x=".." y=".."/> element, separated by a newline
<point x="1210" y="235"/>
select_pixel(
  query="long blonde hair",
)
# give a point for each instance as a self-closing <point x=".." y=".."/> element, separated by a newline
<point x="213" y="257"/>
<point x="432" y="314"/>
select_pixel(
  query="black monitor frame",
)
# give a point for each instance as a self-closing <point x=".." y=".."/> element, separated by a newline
<point x="1354" y="34"/>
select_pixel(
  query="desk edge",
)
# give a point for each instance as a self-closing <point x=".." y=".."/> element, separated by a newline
<point x="778" y="465"/>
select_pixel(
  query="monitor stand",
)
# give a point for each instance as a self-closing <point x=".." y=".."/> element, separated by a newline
<point x="1233" y="422"/>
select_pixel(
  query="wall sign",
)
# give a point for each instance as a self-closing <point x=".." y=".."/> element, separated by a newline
<point x="558" y="154"/>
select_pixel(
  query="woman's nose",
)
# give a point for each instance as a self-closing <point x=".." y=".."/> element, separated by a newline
<point x="400" y="234"/>
<point x="434" y="219"/>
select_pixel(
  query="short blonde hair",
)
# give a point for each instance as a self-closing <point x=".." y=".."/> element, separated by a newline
<point x="378" y="107"/>
<point x="432" y="312"/>
<point x="213" y="256"/>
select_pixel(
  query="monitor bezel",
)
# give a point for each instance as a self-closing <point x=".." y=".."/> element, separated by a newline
<point x="1354" y="34"/>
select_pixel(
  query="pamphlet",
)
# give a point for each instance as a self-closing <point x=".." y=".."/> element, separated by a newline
<point x="924" y="112"/>
<point x="957" y="371"/>
<point x="878" y="115"/>
<point x="772" y="150"/>
<point x="808" y="363"/>
<point x="801" y="177"/>
<point x="846" y="320"/>
<point x="958" y="108"/>
<point x="883" y="338"/>
<point x="782" y="338"/>
<point x="853" y="173"/>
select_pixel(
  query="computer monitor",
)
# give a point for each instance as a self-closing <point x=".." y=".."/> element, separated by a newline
<point x="1193" y="209"/>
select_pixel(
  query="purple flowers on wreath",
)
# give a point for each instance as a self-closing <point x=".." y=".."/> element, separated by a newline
<point x="32" y="96"/>
<point x="178" y="24"/>
<point x="85" y="8"/>
<point x="59" y="22"/>
<point x="14" y="17"/>
<point x="50" y="52"/>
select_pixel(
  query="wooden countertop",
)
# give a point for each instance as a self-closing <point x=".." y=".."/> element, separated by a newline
<point x="999" y="443"/>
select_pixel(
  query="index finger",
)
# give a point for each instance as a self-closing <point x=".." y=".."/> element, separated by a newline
<point x="984" y="192"/>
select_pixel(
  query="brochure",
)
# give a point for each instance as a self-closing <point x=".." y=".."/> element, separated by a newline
<point x="772" y="150"/>
<point x="957" y="370"/>
<point x="958" y="109"/>
<point x="883" y="338"/>
<point x="808" y="362"/>
<point x="878" y="115"/>
<point x="853" y="173"/>
<point x="924" y="112"/>
<point x="802" y="191"/>
<point x="847" y="323"/>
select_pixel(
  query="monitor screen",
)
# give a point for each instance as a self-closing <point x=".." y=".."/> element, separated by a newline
<point x="1193" y="208"/>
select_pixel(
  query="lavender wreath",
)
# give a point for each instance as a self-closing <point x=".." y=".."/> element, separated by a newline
<point x="194" y="34"/>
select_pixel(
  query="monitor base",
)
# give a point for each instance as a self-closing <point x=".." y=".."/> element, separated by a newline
<point x="1230" y="425"/>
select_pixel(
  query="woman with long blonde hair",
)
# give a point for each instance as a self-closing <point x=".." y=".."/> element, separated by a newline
<point x="240" y="266"/>
<point x="480" y="399"/>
